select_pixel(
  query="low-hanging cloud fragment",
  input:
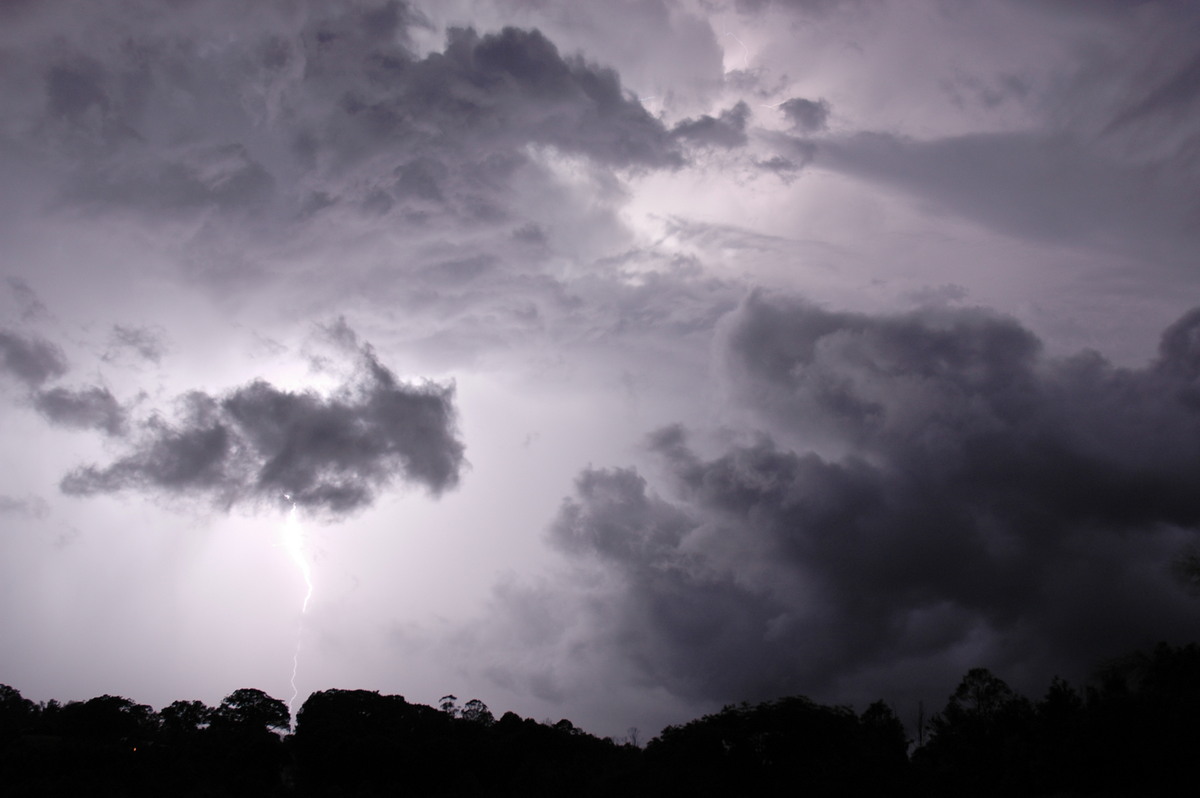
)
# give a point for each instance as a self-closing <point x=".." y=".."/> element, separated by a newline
<point x="971" y="501"/>
<point x="145" y="343"/>
<point x="26" y="506"/>
<point x="26" y="299"/>
<point x="260" y="443"/>
<point x="806" y="115"/>
<point x="31" y="360"/>
<point x="785" y="168"/>
<point x="87" y="408"/>
<point x="727" y="129"/>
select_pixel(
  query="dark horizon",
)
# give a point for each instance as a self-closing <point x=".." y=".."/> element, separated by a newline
<point x="1131" y="730"/>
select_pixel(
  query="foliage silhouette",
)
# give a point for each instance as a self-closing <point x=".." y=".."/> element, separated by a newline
<point x="982" y="741"/>
<point x="780" y="748"/>
<point x="250" y="710"/>
<point x="185" y="717"/>
<point x="1133" y="730"/>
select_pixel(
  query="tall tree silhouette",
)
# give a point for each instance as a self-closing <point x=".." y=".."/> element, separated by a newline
<point x="981" y="741"/>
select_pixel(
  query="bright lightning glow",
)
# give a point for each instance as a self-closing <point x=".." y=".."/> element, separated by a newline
<point x="293" y="544"/>
<point x="745" y="51"/>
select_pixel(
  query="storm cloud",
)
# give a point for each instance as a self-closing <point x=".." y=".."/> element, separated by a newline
<point x="30" y="359"/>
<point x="966" y="499"/>
<point x="260" y="443"/>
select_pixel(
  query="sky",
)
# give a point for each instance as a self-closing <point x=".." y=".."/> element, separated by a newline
<point x="609" y="361"/>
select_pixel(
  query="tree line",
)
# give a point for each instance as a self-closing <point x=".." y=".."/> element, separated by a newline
<point x="1134" y="729"/>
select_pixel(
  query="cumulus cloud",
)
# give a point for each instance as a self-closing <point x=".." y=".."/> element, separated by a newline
<point x="258" y="442"/>
<point x="87" y="408"/>
<point x="985" y="504"/>
<point x="31" y="360"/>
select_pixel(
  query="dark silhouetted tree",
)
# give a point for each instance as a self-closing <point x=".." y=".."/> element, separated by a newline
<point x="249" y="709"/>
<point x="786" y="747"/>
<point x="1142" y="721"/>
<point x="1059" y="739"/>
<point x="108" y="717"/>
<point x="476" y="711"/>
<point x="185" y="717"/>
<point x="242" y="742"/>
<point x="358" y="740"/>
<point x="17" y="714"/>
<point x="981" y="743"/>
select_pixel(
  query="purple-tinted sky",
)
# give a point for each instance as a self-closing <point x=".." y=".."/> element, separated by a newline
<point x="622" y="359"/>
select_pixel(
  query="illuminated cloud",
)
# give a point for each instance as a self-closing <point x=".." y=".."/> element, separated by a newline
<point x="257" y="443"/>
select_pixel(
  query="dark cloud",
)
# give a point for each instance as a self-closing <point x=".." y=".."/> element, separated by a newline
<point x="340" y="334"/>
<point x="88" y="408"/>
<point x="785" y="168"/>
<point x="805" y="6"/>
<point x="221" y="177"/>
<point x="337" y="112"/>
<point x="74" y="91"/>
<point x="144" y="342"/>
<point x="1033" y="186"/>
<point x="1097" y="7"/>
<point x="31" y="360"/>
<point x="684" y="624"/>
<point x="937" y="295"/>
<point x="517" y="78"/>
<point x="985" y="505"/>
<point x="529" y="234"/>
<point x="808" y="116"/>
<point x="500" y="152"/>
<point x="725" y="130"/>
<point x="29" y="506"/>
<point x="258" y="443"/>
<point x="1175" y="95"/>
<point x="27" y="300"/>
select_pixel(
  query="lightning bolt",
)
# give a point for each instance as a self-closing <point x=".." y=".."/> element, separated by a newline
<point x="293" y="543"/>
<point x="745" y="49"/>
